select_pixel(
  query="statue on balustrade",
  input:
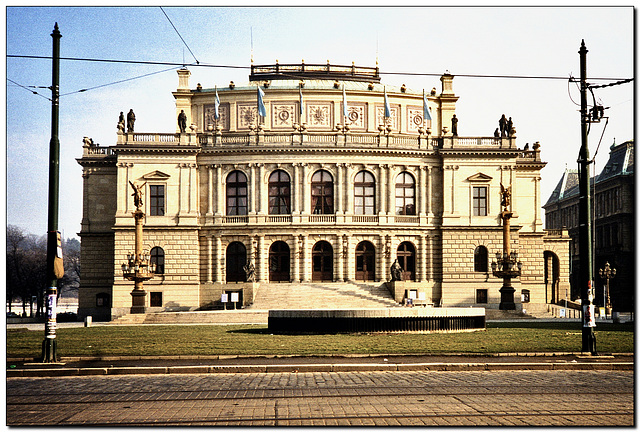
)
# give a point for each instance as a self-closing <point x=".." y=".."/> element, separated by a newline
<point x="454" y="125"/>
<point x="509" y="127"/>
<point x="131" y="119"/>
<point x="503" y="125"/>
<point x="182" y="121"/>
<point x="121" y="122"/>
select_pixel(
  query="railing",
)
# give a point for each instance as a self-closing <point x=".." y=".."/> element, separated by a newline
<point x="322" y="218"/>
<point x="235" y="219"/>
<point x="279" y="219"/>
<point x="98" y="151"/>
<point x="407" y="219"/>
<point x="156" y="138"/>
<point x="364" y="219"/>
<point x="556" y="233"/>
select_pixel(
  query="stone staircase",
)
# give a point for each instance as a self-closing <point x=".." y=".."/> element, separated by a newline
<point x="337" y="295"/>
<point x="334" y="295"/>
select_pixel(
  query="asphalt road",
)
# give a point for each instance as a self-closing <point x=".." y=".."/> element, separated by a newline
<point x="418" y="398"/>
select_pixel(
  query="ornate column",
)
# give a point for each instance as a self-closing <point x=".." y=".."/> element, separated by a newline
<point x="382" y="189"/>
<point x="305" y="195"/>
<point x="422" y="258"/>
<point x="263" y="261"/>
<point x="349" y="257"/>
<point x="391" y="190"/>
<point x="250" y="190"/>
<point x="429" y="191"/>
<point x="422" y="203"/>
<point x="296" y="258"/>
<point x="339" y="189"/>
<point x="348" y="188"/>
<point x="306" y="261"/>
<point x="261" y="187"/>
<point x="209" y="259"/>
<point x="339" y="259"/>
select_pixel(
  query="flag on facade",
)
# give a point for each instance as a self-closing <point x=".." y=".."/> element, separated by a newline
<point x="425" y="107"/>
<point x="216" y="106"/>
<point x="387" y="108"/>
<point x="344" y="101"/>
<point x="262" y="111"/>
<point x="301" y="109"/>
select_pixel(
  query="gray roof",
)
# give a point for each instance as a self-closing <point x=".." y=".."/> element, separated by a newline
<point x="316" y="85"/>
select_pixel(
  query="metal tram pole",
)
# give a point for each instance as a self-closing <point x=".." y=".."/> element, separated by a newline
<point x="49" y="345"/>
<point x="585" y="278"/>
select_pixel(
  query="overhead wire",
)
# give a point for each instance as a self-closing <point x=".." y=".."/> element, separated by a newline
<point x="28" y="89"/>
<point x="183" y="41"/>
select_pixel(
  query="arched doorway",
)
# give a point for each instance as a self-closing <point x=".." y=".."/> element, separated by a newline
<point x="407" y="260"/>
<point x="322" y="262"/>
<point x="365" y="261"/>
<point x="279" y="262"/>
<point x="552" y="277"/>
<point x="236" y="260"/>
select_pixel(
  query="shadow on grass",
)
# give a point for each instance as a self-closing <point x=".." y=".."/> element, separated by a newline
<point x="260" y="331"/>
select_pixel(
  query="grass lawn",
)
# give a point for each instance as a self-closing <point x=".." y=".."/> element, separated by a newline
<point x="508" y="337"/>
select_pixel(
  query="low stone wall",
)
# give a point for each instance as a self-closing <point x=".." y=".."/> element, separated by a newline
<point x="412" y="320"/>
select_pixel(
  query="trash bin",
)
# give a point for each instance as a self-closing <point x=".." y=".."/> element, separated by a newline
<point x="88" y="320"/>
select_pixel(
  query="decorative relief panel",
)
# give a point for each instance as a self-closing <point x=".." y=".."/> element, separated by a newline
<point x="209" y="120"/>
<point x="394" y="120"/>
<point x="247" y="114"/>
<point x="356" y="116"/>
<point x="283" y="115"/>
<point x="319" y="115"/>
<point x="416" y="119"/>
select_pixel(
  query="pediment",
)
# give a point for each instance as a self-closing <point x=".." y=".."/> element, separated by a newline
<point x="479" y="177"/>
<point x="156" y="175"/>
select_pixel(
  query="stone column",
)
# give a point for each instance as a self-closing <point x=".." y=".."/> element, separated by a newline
<point x="306" y="261"/>
<point x="218" y="259"/>
<point x="382" y="189"/>
<point x="263" y="261"/>
<point x="210" y="190"/>
<point x="251" y="193"/>
<point x="348" y="188"/>
<point x="262" y="190"/>
<point x="422" y="259"/>
<point x="338" y="187"/>
<point x="391" y="190"/>
<point x="429" y="180"/>
<point x="219" y="198"/>
<point x="381" y="254"/>
<point x="349" y="257"/>
<point x="338" y="253"/>
<point x="305" y="189"/>
<point x="296" y="258"/>
<point x="209" y="259"/>
<point x="422" y="191"/>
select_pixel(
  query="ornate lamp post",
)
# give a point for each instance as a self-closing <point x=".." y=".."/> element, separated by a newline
<point x="507" y="265"/>
<point x="607" y="273"/>
<point x="137" y="268"/>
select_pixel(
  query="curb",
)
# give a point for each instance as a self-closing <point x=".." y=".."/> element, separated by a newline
<point x="301" y="368"/>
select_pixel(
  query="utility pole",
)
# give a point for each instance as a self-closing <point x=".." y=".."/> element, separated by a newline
<point x="54" y="251"/>
<point x="585" y="279"/>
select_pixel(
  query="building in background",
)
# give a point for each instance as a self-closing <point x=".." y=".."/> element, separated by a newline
<point x="613" y="204"/>
<point x="314" y="174"/>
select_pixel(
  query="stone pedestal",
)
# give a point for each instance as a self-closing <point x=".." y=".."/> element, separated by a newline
<point x="138" y="301"/>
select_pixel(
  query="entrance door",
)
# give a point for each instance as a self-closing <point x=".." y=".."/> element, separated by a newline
<point x="236" y="260"/>
<point x="322" y="262"/>
<point x="279" y="262"/>
<point x="365" y="261"/>
<point x="407" y="260"/>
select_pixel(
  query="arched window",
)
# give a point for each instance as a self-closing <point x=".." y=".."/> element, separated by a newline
<point x="322" y="193"/>
<point x="405" y="194"/>
<point x="364" y="193"/>
<point x="481" y="259"/>
<point x="156" y="257"/>
<point x="236" y="194"/>
<point x="279" y="262"/>
<point x="279" y="193"/>
<point x="236" y="260"/>
<point x="322" y="262"/>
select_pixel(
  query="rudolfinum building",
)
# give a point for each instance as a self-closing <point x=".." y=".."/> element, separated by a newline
<point x="307" y="179"/>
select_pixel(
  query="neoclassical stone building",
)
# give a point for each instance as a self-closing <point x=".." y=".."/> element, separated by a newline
<point x="315" y="190"/>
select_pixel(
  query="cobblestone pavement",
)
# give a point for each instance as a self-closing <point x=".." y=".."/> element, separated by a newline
<point x="467" y="398"/>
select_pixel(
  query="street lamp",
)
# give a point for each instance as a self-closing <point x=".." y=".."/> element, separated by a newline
<point x="607" y="273"/>
<point x="506" y="265"/>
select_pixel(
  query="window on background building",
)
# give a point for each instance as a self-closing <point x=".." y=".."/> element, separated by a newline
<point x="279" y="193"/>
<point x="364" y="193"/>
<point x="482" y="295"/>
<point x="322" y="193"/>
<point x="481" y="259"/>
<point x="156" y="200"/>
<point x="405" y="194"/>
<point x="479" y="200"/>
<point x="156" y="256"/>
<point x="236" y="194"/>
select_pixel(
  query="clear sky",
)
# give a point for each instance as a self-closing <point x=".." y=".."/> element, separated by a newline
<point x="520" y="41"/>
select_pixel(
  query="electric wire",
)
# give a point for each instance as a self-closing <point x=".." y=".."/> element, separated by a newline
<point x="183" y="41"/>
<point x="28" y="89"/>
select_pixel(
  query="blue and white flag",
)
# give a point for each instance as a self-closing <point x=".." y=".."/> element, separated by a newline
<point x="425" y="107"/>
<point x="216" y="106"/>
<point x="262" y="111"/>
<point x="301" y="106"/>
<point x="387" y="108"/>
<point x="344" y="101"/>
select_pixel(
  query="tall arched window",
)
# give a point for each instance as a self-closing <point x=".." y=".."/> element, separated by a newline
<point x="279" y="193"/>
<point x="322" y="193"/>
<point x="364" y="193"/>
<point x="481" y="259"/>
<point x="405" y="194"/>
<point x="407" y="260"/>
<point x="236" y="194"/>
<point x="156" y="256"/>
